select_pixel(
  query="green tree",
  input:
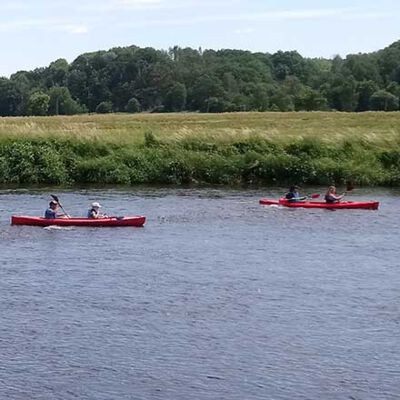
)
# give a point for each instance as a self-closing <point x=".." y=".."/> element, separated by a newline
<point x="258" y="97"/>
<point x="175" y="99"/>
<point x="24" y="86"/>
<point x="311" y="100"/>
<point x="56" y="74"/>
<point x="205" y="88"/>
<point x="394" y="88"/>
<point x="388" y="61"/>
<point x="104" y="107"/>
<point x="38" y="103"/>
<point x="362" y="67"/>
<point x="133" y="105"/>
<point x="288" y="63"/>
<point x="281" y="101"/>
<point x="384" y="101"/>
<point x="365" y="90"/>
<point x="11" y="98"/>
<point x="61" y="102"/>
<point x="341" y="93"/>
<point x="215" y="105"/>
<point x="229" y="80"/>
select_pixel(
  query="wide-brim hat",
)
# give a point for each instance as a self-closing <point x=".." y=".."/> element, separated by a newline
<point x="96" y="205"/>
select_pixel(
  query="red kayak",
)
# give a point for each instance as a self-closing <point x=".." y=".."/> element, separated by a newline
<point x="136" y="220"/>
<point x="365" y="205"/>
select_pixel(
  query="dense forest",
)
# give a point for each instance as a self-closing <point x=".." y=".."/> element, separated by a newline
<point x="133" y="79"/>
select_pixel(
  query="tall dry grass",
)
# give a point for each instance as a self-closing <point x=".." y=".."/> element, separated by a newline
<point x="382" y="129"/>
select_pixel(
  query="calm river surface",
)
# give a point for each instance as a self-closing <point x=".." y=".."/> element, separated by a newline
<point x="215" y="298"/>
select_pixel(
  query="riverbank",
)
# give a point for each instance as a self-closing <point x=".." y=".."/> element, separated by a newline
<point x="239" y="148"/>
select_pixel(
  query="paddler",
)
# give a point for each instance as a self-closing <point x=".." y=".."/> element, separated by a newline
<point x="94" y="211"/>
<point x="51" y="212"/>
<point x="293" y="195"/>
<point x="331" y="196"/>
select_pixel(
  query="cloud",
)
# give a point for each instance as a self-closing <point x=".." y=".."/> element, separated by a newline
<point x="240" y="17"/>
<point x="19" y="25"/>
<point x="72" y="29"/>
<point x="367" y="15"/>
<point x="244" y="31"/>
<point x="133" y="3"/>
<point x="99" y="7"/>
<point x="103" y="6"/>
<point x="44" y="25"/>
<point x="14" y="6"/>
<point x="284" y="15"/>
<point x="93" y="14"/>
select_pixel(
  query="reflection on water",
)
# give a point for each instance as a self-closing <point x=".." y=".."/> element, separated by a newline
<point x="216" y="298"/>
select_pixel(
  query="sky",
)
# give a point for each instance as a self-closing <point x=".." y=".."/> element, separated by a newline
<point x="37" y="32"/>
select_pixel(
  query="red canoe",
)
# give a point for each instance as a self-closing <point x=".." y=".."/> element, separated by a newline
<point x="366" y="205"/>
<point x="136" y="220"/>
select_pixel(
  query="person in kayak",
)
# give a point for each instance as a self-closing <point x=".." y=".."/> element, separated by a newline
<point x="51" y="212"/>
<point x="331" y="196"/>
<point x="293" y="195"/>
<point x="94" y="211"/>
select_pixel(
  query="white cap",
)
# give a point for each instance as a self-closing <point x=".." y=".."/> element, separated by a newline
<point x="96" y="205"/>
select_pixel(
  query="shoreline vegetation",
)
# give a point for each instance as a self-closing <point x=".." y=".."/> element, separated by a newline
<point x="271" y="148"/>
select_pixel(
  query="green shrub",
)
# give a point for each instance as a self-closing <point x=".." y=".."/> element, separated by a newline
<point x="20" y="158"/>
<point x="256" y="144"/>
<point x="104" y="107"/>
<point x="150" y="140"/>
<point x="252" y="160"/>
<point x="102" y="170"/>
<point x="4" y="170"/>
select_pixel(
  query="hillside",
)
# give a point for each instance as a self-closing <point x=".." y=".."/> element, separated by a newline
<point x="133" y="79"/>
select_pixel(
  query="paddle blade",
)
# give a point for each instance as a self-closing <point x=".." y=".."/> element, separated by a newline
<point x="55" y="198"/>
<point x="349" y="186"/>
<point x="315" y="196"/>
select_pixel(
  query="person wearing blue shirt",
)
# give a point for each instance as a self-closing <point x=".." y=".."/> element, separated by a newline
<point x="51" y="212"/>
<point x="293" y="195"/>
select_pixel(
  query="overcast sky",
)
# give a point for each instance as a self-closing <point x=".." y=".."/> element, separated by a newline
<point x="36" y="32"/>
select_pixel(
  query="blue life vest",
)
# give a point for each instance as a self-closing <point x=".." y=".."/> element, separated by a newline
<point x="293" y="196"/>
<point x="50" y="214"/>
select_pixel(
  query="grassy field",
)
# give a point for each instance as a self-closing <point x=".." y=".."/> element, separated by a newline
<point x="376" y="127"/>
<point x="303" y="147"/>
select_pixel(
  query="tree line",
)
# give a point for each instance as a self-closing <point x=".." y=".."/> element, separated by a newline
<point x="133" y="79"/>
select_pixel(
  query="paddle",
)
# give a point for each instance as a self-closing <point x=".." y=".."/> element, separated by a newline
<point x="58" y="202"/>
<point x="304" y="198"/>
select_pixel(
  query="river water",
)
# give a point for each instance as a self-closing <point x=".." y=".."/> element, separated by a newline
<point x="216" y="297"/>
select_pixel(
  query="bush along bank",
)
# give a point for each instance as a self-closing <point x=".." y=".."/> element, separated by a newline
<point x="247" y="161"/>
